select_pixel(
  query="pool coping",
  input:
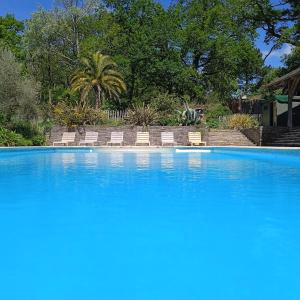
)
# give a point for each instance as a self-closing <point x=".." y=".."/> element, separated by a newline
<point x="145" y="148"/>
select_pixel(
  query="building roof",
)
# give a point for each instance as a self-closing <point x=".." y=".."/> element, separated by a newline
<point x="282" y="81"/>
<point x="278" y="98"/>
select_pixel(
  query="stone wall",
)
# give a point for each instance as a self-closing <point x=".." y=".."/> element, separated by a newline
<point x="212" y="137"/>
<point x="268" y="134"/>
<point x="253" y="134"/>
<point x="264" y="135"/>
<point x="261" y="136"/>
<point x="227" y="137"/>
<point x="180" y="133"/>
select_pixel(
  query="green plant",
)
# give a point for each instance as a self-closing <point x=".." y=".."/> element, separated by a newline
<point x="214" y="112"/>
<point x="38" y="140"/>
<point x="78" y="115"/>
<point x="142" y="115"/>
<point x="25" y="128"/>
<point x="213" y="123"/>
<point x="166" y="104"/>
<point x="99" y="75"/>
<point x="11" y="138"/>
<point x="189" y="116"/>
<point x="217" y="110"/>
<point x="242" y="121"/>
<point x="168" y="120"/>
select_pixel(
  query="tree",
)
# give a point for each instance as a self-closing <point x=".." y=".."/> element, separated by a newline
<point x="74" y="12"/>
<point x="292" y="61"/>
<point x="10" y="33"/>
<point x="100" y="75"/>
<point x="52" y="41"/>
<point x="18" y="94"/>
<point x="279" y="19"/>
<point x="218" y="43"/>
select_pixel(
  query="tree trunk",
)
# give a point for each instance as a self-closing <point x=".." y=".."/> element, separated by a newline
<point x="131" y="90"/>
<point x="196" y="61"/>
<point x="98" y="97"/>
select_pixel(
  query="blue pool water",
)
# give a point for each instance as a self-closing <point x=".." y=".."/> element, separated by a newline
<point x="87" y="224"/>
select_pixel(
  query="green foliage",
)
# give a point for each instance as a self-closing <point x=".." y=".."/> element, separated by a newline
<point x="112" y="122"/>
<point x="292" y="61"/>
<point x="38" y="140"/>
<point x="99" y="74"/>
<point x="165" y="102"/>
<point x="213" y="123"/>
<point x="10" y="138"/>
<point x="214" y="112"/>
<point x="189" y="116"/>
<point x="281" y="22"/>
<point x="72" y="116"/>
<point x="242" y="121"/>
<point x="24" y="128"/>
<point x="18" y="94"/>
<point x="166" y="105"/>
<point x="142" y="115"/>
<point x="195" y="48"/>
<point x="29" y="131"/>
<point x="10" y="34"/>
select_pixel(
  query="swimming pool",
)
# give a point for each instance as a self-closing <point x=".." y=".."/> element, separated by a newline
<point x="95" y="224"/>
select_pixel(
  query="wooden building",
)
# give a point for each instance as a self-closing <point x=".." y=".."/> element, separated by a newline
<point x="290" y="83"/>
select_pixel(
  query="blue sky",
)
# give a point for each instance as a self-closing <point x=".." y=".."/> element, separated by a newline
<point x="22" y="9"/>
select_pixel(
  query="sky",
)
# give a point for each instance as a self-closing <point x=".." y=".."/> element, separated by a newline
<point x="22" y="9"/>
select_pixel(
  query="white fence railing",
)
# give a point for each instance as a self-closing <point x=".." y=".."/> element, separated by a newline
<point x="116" y="114"/>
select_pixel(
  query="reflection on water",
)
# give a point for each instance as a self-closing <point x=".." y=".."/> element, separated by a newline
<point x="68" y="159"/>
<point x="143" y="160"/>
<point x="91" y="159"/>
<point x="117" y="159"/>
<point x="167" y="160"/>
<point x="194" y="160"/>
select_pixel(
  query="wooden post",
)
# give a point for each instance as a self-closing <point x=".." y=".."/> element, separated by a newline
<point x="292" y="87"/>
<point x="290" y="103"/>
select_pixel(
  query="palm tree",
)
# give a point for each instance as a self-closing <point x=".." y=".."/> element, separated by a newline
<point x="98" y="74"/>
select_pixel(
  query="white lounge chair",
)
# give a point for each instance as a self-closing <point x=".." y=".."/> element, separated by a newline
<point x="167" y="138"/>
<point x="67" y="138"/>
<point x="142" y="138"/>
<point x="116" y="138"/>
<point x="195" y="139"/>
<point x="91" y="138"/>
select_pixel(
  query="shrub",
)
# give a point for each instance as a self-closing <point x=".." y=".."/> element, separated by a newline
<point x="213" y="114"/>
<point x="166" y="104"/>
<point x="38" y="140"/>
<point x="217" y="110"/>
<point x="168" y="120"/>
<point x="27" y="129"/>
<point x="189" y="116"/>
<point x="242" y="121"/>
<point x="213" y="123"/>
<point x="142" y="115"/>
<point x="70" y="116"/>
<point x="11" y="138"/>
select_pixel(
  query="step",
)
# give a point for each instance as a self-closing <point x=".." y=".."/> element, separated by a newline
<point x="286" y="140"/>
<point x="284" y="144"/>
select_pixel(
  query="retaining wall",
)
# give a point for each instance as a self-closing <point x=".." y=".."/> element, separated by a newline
<point x="211" y="137"/>
<point x="264" y="135"/>
<point x="180" y="133"/>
